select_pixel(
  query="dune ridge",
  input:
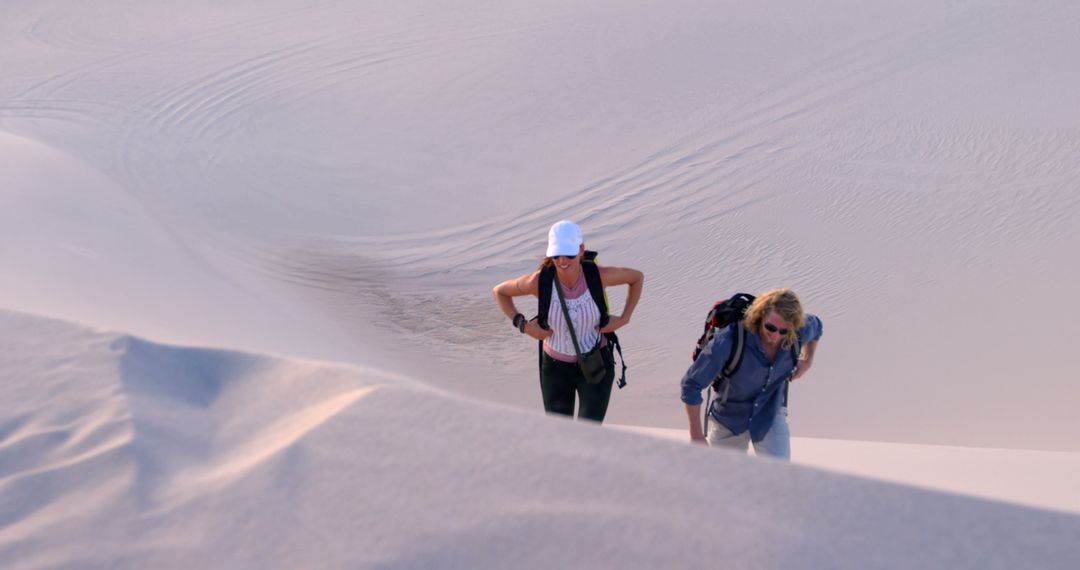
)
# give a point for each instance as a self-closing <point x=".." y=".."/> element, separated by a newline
<point x="214" y="451"/>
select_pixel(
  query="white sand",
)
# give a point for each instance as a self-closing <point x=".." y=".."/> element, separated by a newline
<point x="345" y="181"/>
<point x="118" y="452"/>
<point x="1041" y="479"/>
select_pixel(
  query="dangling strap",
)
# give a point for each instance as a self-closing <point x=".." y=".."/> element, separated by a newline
<point x="796" y="352"/>
<point x="613" y="340"/>
<point x="570" y="327"/>
<point x="591" y="271"/>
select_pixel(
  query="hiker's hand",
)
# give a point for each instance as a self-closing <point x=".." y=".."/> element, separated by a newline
<point x="614" y="323"/>
<point x="806" y="359"/>
<point x="801" y="366"/>
<point x="699" y="440"/>
<point x="533" y="329"/>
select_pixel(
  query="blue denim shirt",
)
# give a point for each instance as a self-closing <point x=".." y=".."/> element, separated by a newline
<point x="756" y="387"/>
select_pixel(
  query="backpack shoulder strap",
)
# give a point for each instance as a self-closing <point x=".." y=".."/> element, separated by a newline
<point x="591" y="271"/>
<point x="596" y="285"/>
<point x="720" y="384"/>
<point x="735" y="358"/>
<point x="547" y="278"/>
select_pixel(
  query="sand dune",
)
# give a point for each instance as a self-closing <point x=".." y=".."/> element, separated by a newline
<point x="291" y="183"/>
<point x="136" y="454"/>
<point x="1041" y="479"/>
<point x="374" y="170"/>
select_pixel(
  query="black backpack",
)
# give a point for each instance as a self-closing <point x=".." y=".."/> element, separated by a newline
<point x="729" y="313"/>
<point x="591" y="272"/>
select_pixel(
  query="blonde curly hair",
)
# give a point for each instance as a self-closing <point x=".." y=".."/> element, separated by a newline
<point x="786" y="304"/>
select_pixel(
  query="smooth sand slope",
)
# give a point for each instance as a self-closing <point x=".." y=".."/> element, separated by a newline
<point x="1041" y="479"/>
<point x="116" y="452"/>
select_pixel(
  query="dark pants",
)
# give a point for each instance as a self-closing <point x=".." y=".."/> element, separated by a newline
<point x="561" y="381"/>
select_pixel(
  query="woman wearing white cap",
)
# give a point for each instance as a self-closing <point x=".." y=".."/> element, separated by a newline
<point x="576" y="360"/>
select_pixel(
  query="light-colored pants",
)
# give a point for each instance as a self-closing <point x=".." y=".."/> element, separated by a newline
<point x="776" y="443"/>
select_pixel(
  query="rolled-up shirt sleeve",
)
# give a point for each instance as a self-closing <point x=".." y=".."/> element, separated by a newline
<point x="706" y="368"/>
<point x="812" y="330"/>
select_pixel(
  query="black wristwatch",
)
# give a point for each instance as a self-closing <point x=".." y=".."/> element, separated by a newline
<point x="519" y="322"/>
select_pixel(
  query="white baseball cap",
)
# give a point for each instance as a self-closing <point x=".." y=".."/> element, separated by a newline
<point x="564" y="238"/>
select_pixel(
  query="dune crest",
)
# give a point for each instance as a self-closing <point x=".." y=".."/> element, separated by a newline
<point x="149" y="455"/>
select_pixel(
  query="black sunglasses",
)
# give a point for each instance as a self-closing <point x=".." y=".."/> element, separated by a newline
<point x="563" y="257"/>
<point x="772" y="328"/>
